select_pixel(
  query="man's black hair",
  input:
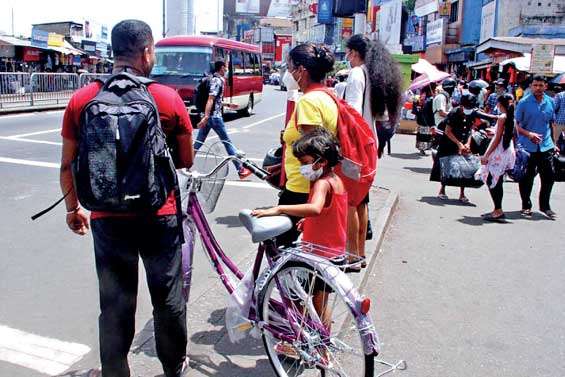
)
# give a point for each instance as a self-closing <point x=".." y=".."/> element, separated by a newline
<point x="539" y="78"/>
<point x="218" y="65"/>
<point x="130" y="38"/>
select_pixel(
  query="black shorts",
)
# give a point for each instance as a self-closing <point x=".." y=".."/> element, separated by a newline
<point x="365" y="199"/>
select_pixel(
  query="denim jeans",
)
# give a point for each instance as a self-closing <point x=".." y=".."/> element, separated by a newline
<point x="542" y="163"/>
<point x="118" y="244"/>
<point x="217" y="124"/>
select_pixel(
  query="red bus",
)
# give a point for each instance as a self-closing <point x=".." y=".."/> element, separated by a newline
<point x="182" y="61"/>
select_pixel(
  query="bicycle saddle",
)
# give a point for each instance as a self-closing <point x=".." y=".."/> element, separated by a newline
<point x="264" y="228"/>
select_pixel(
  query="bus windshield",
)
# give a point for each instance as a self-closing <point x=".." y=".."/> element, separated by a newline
<point x="182" y="61"/>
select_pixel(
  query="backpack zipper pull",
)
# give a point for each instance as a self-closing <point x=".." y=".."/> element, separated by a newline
<point x="118" y="133"/>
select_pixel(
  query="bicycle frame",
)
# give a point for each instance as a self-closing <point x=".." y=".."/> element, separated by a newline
<point x="268" y="249"/>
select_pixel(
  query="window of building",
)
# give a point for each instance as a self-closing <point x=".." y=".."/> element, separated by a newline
<point x="454" y="11"/>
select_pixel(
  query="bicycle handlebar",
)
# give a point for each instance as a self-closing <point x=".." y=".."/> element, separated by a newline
<point x="259" y="173"/>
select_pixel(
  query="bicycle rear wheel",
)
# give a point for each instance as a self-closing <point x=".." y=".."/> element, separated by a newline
<point x="308" y="329"/>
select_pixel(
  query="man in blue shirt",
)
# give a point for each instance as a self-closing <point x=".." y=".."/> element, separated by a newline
<point x="535" y="115"/>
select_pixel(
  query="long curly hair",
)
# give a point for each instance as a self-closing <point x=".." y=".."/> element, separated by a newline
<point x="384" y="76"/>
<point x="506" y="100"/>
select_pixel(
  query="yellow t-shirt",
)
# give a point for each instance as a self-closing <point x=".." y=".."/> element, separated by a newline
<point x="314" y="108"/>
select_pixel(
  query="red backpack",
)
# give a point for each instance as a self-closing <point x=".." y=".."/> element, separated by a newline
<point x="359" y="150"/>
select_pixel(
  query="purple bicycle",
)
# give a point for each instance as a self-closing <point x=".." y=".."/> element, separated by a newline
<point x="312" y="320"/>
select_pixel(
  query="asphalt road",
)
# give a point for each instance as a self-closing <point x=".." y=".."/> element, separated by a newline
<point x="459" y="297"/>
<point x="47" y="275"/>
<point x="451" y="295"/>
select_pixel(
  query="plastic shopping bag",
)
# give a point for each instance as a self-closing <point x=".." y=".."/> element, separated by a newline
<point x="460" y="171"/>
<point x="237" y="312"/>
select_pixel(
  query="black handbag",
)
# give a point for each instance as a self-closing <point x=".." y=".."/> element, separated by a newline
<point x="559" y="167"/>
<point x="479" y="142"/>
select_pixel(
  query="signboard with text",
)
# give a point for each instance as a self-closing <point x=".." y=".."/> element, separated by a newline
<point x="434" y="32"/>
<point x="425" y="7"/>
<point x="390" y="23"/>
<point x="488" y="21"/>
<point x="542" y="59"/>
<point x="39" y="38"/>
<point x="325" y="11"/>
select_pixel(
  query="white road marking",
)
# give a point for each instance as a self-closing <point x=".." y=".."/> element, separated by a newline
<point x="52" y="165"/>
<point x="263" y="121"/>
<point x="45" y="355"/>
<point x="30" y="162"/>
<point x="36" y="133"/>
<point x="58" y="143"/>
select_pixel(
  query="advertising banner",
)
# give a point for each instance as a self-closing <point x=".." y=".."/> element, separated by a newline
<point x="7" y="51"/>
<point x="39" y="38"/>
<point x="425" y="7"/>
<point x="488" y="21"/>
<point x="325" y="12"/>
<point x="434" y="32"/>
<point x="542" y="59"/>
<point x="247" y="6"/>
<point x="31" y="54"/>
<point x="89" y="46"/>
<point x="282" y="46"/>
<point x="390" y="23"/>
<point x="56" y="40"/>
<point x="280" y="8"/>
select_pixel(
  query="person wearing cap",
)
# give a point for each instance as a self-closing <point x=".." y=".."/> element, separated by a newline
<point x="456" y="139"/>
<point x="559" y="126"/>
<point x="500" y="89"/>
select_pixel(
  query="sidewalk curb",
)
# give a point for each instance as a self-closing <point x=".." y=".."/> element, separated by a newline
<point x="380" y="227"/>
<point x="31" y="109"/>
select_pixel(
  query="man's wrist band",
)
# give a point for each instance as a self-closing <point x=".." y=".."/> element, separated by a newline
<point x="73" y="210"/>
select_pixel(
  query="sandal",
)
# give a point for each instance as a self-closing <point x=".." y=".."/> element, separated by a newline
<point x="442" y="197"/>
<point x="363" y="261"/>
<point x="464" y="200"/>
<point x="550" y="214"/>
<point x="527" y="213"/>
<point x="495" y="219"/>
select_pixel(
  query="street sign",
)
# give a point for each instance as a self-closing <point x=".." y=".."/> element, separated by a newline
<point x="542" y="59"/>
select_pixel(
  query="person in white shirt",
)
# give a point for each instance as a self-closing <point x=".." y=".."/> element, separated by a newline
<point x="374" y="90"/>
<point x="340" y="86"/>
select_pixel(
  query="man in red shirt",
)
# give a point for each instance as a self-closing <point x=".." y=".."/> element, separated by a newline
<point x="119" y="239"/>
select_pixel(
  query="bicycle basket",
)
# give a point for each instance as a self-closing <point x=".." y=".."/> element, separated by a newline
<point x="207" y="159"/>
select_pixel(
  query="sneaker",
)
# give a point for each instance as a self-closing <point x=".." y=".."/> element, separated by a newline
<point x="244" y="173"/>
<point x="550" y="214"/>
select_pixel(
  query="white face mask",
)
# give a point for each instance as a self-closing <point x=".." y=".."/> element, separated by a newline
<point x="468" y="111"/>
<point x="289" y="81"/>
<point x="309" y="173"/>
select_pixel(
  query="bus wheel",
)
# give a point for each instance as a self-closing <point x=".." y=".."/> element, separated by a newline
<point x="248" y="110"/>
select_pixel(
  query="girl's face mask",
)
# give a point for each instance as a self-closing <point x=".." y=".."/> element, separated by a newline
<point x="309" y="173"/>
<point x="468" y="111"/>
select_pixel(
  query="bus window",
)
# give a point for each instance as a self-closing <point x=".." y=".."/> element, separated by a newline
<point x="257" y="65"/>
<point x="249" y="64"/>
<point x="220" y="54"/>
<point x="182" y="61"/>
<point x="237" y="63"/>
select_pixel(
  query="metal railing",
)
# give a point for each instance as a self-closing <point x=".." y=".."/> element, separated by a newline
<point x="36" y="89"/>
<point x="15" y="90"/>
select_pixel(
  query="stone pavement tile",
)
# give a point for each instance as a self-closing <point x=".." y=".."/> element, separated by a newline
<point x="210" y="349"/>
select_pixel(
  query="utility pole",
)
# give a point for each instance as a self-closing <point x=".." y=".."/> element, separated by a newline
<point x="191" y="27"/>
<point x="13" y="31"/>
<point x="164" y="19"/>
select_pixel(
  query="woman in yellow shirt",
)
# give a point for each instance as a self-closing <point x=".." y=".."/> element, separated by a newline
<point x="308" y="66"/>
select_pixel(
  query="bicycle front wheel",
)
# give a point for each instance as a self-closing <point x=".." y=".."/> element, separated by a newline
<point x="308" y="329"/>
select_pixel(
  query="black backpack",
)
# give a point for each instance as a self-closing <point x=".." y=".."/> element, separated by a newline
<point x="202" y="93"/>
<point x="123" y="163"/>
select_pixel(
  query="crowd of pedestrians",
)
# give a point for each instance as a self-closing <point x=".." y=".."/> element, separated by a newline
<point x="314" y="192"/>
<point x="466" y="119"/>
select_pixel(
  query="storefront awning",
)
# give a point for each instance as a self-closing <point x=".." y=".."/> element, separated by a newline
<point x="523" y="63"/>
<point x="480" y="64"/>
<point x="520" y="44"/>
<point x="12" y="41"/>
